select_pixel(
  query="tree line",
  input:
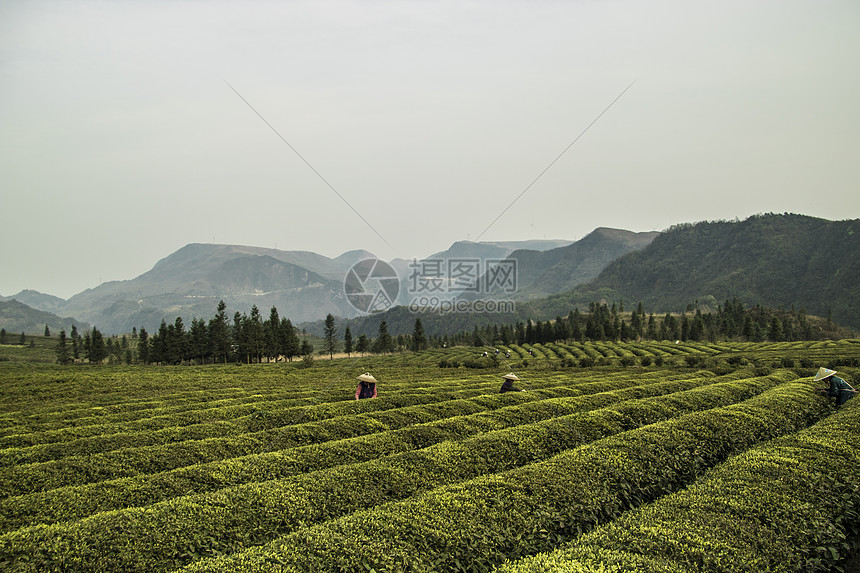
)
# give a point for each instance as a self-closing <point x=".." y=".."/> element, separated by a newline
<point x="248" y="338"/>
<point x="731" y="321"/>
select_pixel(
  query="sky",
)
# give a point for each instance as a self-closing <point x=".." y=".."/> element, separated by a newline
<point x="130" y="129"/>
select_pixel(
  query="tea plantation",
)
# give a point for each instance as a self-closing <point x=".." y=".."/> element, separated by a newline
<point x="616" y="457"/>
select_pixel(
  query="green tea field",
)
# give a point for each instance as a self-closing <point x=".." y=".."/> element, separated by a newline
<point x="616" y="457"/>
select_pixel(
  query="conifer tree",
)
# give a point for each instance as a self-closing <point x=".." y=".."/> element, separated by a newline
<point x="219" y="334"/>
<point x="419" y="339"/>
<point x="62" y="349"/>
<point x="96" y="351"/>
<point x="363" y="344"/>
<point x="290" y="345"/>
<point x="143" y="346"/>
<point x="330" y="335"/>
<point x="347" y="341"/>
<point x="383" y="342"/>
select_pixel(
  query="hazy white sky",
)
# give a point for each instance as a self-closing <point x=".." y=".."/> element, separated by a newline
<point x="120" y="141"/>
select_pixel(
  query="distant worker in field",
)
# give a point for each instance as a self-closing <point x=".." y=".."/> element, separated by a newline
<point x="839" y="388"/>
<point x="508" y="384"/>
<point x="366" y="387"/>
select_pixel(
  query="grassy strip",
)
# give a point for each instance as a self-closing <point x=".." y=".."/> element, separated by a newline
<point x="792" y="504"/>
<point x="477" y="524"/>
<point x="77" y="502"/>
<point x="165" y="535"/>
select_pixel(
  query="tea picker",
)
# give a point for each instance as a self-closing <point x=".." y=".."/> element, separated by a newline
<point x="839" y="388"/>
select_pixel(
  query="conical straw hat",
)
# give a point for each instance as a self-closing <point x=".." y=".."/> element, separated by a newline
<point x="511" y="376"/>
<point x="366" y="377"/>
<point x="824" y="373"/>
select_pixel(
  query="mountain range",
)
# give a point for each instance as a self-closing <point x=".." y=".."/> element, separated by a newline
<point x="777" y="260"/>
<point x="303" y="286"/>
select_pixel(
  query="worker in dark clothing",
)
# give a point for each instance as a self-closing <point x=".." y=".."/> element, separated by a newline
<point x="366" y="387"/>
<point x="839" y="388"/>
<point x="508" y="384"/>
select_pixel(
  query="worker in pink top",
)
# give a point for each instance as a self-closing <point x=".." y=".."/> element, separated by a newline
<point x="366" y="387"/>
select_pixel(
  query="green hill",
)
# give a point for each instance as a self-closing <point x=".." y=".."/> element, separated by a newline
<point x="16" y="317"/>
<point x="773" y="260"/>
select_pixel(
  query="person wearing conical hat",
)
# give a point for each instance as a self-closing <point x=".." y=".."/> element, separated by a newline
<point x="508" y="384"/>
<point x="366" y="387"/>
<point x="839" y="388"/>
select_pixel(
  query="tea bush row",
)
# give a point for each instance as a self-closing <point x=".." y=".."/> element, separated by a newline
<point x="792" y="504"/>
<point x="76" y="502"/>
<point x="322" y="424"/>
<point x="162" y="536"/>
<point x="477" y="524"/>
<point x="335" y="423"/>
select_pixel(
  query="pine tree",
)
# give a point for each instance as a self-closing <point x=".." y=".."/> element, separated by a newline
<point x="2" y="336"/>
<point x="62" y="349"/>
<point x="255" y="333"/>
<point x="347" y="341"/>
<point x="330" y="336"/>
<point x="271" y="334"/>
<point x="97" y="351"/>
<point x="219" y="334"/>
<point x="198" y="340"/>
<point x="143" y="346"/>
<point x="383" y="342"/>
<point x="177" y="342"/>
<point x="289" y="340"/>
<point x="76" y="338"/>
<point x="419" y="339"/>
<point x="47" y="332"/>
<point x="363" y="344"/>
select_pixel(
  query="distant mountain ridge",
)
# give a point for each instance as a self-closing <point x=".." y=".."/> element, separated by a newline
<point x="775" y="260"/>
<point x="542" y="273"/>
<point x="17" y="317"/>
<point x="302" y="285"/>
<point x="772" y="260"/>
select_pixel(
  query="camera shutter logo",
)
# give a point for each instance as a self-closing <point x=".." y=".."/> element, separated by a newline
<point x="371" y="286"/>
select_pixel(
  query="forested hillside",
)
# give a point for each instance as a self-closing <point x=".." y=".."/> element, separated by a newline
<point x="772" y="260"/>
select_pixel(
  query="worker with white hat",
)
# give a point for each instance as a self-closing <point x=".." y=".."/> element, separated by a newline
<point x="366" y="387"/>
<point x="508" y="384"/>
<point x="839" y="388"/>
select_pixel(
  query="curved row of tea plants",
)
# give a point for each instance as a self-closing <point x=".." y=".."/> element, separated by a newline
<point x="483" y="521"/>
<point x="320" y="422"/>
<point x="158" y="537"/>
<point x="479" y="415"/>
<point x="274" y="430"/>
<point x="792" y="504"/>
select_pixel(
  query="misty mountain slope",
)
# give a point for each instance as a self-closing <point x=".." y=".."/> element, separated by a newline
<point x="37" y="300"/>
<point x="563" y="268"/>
<point x="17" y="317"/>
<point x="192" y="280"/>
<point x="772" y="260"/>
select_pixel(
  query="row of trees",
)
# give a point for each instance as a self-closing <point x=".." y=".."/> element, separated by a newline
<point x="247" y="338"/>
<point x="731" y="321"/>
<point x="92" y="346"/>
<point x="383" y="342"/>
<point x="250" y="338"/>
